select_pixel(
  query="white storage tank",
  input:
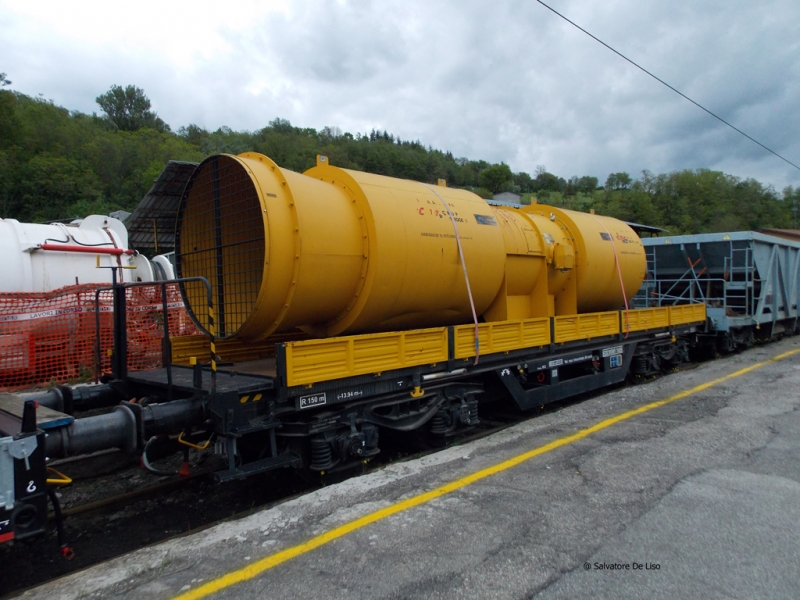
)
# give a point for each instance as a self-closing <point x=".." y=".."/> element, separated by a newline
<point x="38" y="257"/>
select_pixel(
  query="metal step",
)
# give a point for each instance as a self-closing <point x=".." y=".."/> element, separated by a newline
<point x="46" y="418"/>
<point x="259" y="466"/>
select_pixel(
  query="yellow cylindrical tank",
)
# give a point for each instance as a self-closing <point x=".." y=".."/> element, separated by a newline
<point x="338" y="251"/>
<point x="414" y="276"/>
<point x="606" y="251"/>
<point x="332" y="250"/>
<point x="239" y="227"/>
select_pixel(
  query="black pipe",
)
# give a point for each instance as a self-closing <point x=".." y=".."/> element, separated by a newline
<point x="116" y="429"/>
<point x="172" y="417"/>
<point x="67" y="400"/>
<point x="120" y="428"/>
<point x="94" y="396"/>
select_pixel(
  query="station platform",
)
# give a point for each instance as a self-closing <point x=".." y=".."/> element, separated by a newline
<point x="688" y="486"/>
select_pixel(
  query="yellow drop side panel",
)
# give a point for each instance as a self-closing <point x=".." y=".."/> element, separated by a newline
<point x="315" y="361"/>
<point x="584" y="327"/>
<point x="502" y="337"/>
<point x="197" y="346"/>
<point x="687" y="313"/>
<point x="312" y="361"/>
<point x="643" y="319"/>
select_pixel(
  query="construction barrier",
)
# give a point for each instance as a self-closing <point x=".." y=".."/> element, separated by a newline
<point x="49" y="337"/>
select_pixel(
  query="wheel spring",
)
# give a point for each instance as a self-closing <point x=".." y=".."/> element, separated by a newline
<point x="640" y="364"/>
<point x="321" y="454"/>
<point x="440" y="423"/>
<point x="471" y="414"/>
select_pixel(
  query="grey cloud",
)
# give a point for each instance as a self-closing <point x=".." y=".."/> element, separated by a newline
<point x="503" y="81"/>
<point x="336" y="44"/>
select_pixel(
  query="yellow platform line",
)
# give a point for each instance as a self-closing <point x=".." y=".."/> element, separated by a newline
<point x="264" y="564"/>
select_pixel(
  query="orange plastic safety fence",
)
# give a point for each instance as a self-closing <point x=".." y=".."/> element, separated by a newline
<point x="50" y="337"/>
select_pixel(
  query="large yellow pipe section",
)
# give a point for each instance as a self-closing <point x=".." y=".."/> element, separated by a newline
<point x="338" y="251"/>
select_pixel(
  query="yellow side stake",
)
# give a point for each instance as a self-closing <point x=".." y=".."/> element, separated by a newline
<point x="268" y="562"/>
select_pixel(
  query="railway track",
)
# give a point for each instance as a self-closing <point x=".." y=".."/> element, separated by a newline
<point x="125" y="509"/>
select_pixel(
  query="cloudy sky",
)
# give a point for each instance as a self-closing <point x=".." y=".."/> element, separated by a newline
<point x="500" y="81"/>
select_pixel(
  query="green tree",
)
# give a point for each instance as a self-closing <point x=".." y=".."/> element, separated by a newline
<point x="495" y="177"/>
<point x="524" y="182"/>
<point x="587" y="184"/>
<point x="9" y="122"/>
<point x="4" y="81"/>
<point x="618" y="181"/>
<point x="48" y="184"/>
<point x="128" y="109"/>
<point x="545" y="182"/>
<point x="791" y="199"/>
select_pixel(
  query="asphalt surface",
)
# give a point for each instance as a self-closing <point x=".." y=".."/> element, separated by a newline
<point x="697" y="498"/>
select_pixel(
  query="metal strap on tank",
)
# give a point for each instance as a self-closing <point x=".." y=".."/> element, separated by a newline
<point x="619" y="271"/>
<point x="464" y="266"/>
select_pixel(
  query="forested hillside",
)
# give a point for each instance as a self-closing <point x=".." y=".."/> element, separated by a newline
<point x="59" y="164"/>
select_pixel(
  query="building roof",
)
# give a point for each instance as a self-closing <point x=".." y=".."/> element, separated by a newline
<point x="789" y="234"/>
<point x="640" y="229"/>
<point x="749" y="237"/>
<point x="507" y="197"/>
<point x="151" y="227"/>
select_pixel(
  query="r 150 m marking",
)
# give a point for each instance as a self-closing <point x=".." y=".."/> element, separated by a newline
<point x="313" y="400"/>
